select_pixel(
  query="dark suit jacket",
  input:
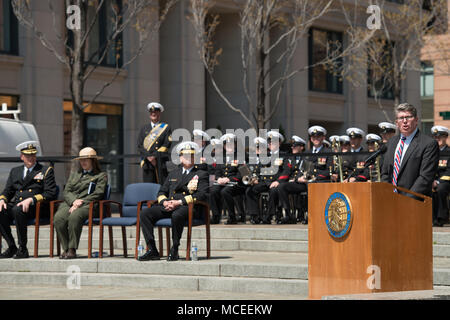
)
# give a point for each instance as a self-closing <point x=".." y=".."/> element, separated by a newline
<point x="39" y="184"/>
<point x="419" y="164"/>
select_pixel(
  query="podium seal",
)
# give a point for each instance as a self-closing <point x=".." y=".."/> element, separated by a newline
<point x="338" y="215"/>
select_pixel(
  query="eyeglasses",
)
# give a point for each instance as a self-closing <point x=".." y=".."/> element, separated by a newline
<point x="405" y="118"/>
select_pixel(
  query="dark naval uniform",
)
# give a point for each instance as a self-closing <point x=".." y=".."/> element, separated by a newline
<point x="154" y="141"/>
<point x="440" y="194"/>
<point x="87" y="186"/>
<point x="38" y="184"/>
<point x="275" y="170"/>
<point x="218" y="193"/>
<point x="174" y="188"/>
<point x="357" y="165"/>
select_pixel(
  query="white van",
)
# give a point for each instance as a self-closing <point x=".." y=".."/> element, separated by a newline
<point x="12" y="133"/>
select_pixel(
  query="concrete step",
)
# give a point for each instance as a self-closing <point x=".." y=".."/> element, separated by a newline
<point x="223" y="238"/>
<point x="244" y="272"/>
<point x="193" y="283"/>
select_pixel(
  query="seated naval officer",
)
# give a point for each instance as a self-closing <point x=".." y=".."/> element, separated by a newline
<point x="184" y="185"/>
<point x="228" y="183"/>
<point x="270" y="177"/>
<point x="360" y="173"/>
<point x="441" y="183"/>
<point x="27" y="185"/>
<point x="387" y="131"/>
<point x="86" y="183"/>
<point x="201" y="138"/>
<point x="374" y="142"/>
<point x="293" y="186"/>
<point x="320" y="171"/>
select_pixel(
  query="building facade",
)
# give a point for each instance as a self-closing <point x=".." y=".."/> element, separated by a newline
<point x="171" y="72"/>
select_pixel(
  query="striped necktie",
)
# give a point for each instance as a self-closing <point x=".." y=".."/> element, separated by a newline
<point x="397" y="160"/>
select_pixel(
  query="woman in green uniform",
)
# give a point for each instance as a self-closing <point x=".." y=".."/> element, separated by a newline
<point x="85" y="184"/>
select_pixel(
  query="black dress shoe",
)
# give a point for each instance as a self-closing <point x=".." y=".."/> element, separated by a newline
<point x="64" y="254"/>
<point x="22" y="253"/>
<point x="266" y="221"/>
<point x="231" y="221"/>
<point x="173" y="255"/>
<point x="255" y="221"/>
<point x="71" y="254"/>
<point x="9" y="253"/>
<point x="151" y="254"/>
<point x="215" y="220"/>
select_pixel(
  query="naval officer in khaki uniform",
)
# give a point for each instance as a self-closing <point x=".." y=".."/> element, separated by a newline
<point x="86" y="184"/>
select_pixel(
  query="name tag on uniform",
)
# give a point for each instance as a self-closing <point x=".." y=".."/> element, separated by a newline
<point x="173" y="180"/>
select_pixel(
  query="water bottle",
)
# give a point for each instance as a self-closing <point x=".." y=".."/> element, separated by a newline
<point x="194" y="250"/>
<point x="140" y="249"/>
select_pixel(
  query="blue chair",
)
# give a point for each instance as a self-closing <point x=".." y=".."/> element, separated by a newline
<point x="90" y="222"/>
<point x="38" y="221"/>
<point x="192" y="221"/>
<point x="134" y="196"/>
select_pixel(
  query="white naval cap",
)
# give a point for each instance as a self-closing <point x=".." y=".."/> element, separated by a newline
<point x="355" y="132"/>
<point x="439" y="131"/>
<point x="215" y="142"/>
<point x="200" y="133"/>
<point x="344" y="139"/>
<point x="258" y="140"/>
<point x="372" y="137"/>
<point x="334" y="138"/>
<point x="317" y="130"/>
<point x="152" y="106"/>
<point x="274" y="135"/>
<point x="296" y="140"/>
<point x="187" y="147"/>
<point x="28" y="147"/>
<point x="387" y="127"/>
<point x="228" y="137"/>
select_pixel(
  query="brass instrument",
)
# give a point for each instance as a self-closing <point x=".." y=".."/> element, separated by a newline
<point x="337" y="160"/>
<point x="306" y="171"/>
<point x="228" y="184"/>
<point x="377" y="173"/>
<point x="249" y="177"/>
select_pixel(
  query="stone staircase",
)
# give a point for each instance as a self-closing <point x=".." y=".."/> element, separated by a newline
<point x="244" y="259"/>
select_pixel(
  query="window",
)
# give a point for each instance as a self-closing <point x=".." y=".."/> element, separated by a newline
<point x="103" y="132"/>
<point x="380" y="76"/>
<point x="9" y="34"/>
<point x="101" y="32"/>
<point x="426" y="80"/>
<point x="11" y="104"/>
<point x="322" y="78"/>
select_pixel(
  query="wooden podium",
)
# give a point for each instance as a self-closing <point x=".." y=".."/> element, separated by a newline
<point x="387" y="247"/>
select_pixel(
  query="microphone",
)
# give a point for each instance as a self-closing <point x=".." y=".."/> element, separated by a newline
<point x="374" y="155"/>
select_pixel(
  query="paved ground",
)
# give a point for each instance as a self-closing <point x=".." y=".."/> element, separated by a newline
<point x="108" y="293"/>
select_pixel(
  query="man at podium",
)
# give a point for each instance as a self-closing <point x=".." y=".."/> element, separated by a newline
<point x="411" y="159"/>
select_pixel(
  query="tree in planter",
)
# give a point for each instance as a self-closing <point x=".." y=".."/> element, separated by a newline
<point x="74" y="49"/>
